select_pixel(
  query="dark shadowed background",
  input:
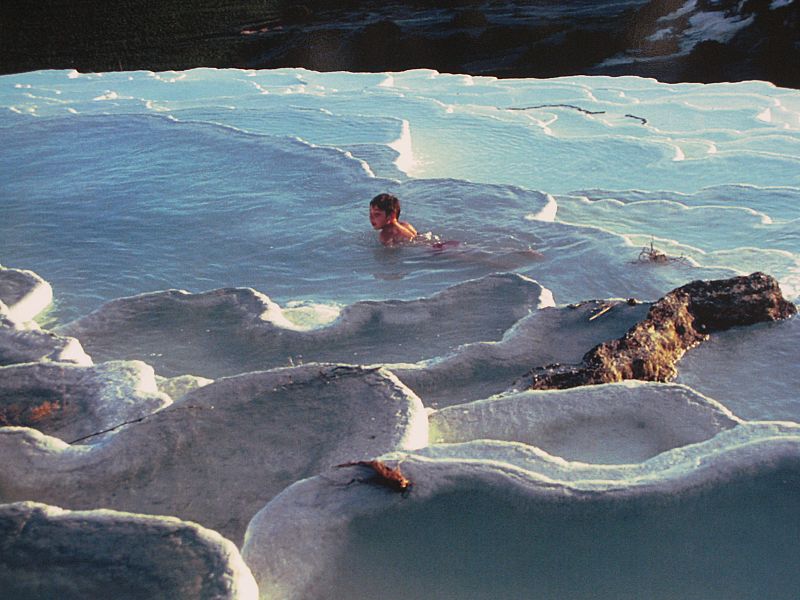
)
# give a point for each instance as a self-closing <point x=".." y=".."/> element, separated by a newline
<point x="672" y="40"/>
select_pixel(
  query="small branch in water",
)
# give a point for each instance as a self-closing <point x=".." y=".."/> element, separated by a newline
<point x="604" y="308"/>
<point x="642" y="119"/>
<point x="653" y="255"/>
<point x="572" y="106"/>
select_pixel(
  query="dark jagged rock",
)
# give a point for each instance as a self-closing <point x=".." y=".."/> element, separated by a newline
<point x="378" y="44"/>
<point x="712" y="61"/>
<point x="571" y="53"/>
<point x="722" y="304"/>
<point x="755" y="39"/>
<point x="297" y="13"/>
<point x="469" y="17"/>
<point x="500" y="38"/>
<point x="678" y="321"/>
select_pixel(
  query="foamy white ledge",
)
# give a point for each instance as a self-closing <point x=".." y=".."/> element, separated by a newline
<point x="628" y="422"/>
<point x="79" y="401"/>
<point x="23" y="294"/>
<point x="232" y="330"/>
<point x="225" y="449"/>
<point x="29" y="343"/>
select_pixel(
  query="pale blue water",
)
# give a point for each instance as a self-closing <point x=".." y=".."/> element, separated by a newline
<point x="123" y="183"/>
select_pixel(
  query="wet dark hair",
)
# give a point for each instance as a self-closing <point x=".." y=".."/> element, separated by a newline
<point x="387" y="203"/>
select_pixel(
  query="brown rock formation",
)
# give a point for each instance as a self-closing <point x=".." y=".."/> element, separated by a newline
<point x="678" y="321"/>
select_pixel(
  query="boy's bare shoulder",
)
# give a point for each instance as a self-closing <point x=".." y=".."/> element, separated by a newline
<point x="409" y="227"/>
<point x="397" y="234"/>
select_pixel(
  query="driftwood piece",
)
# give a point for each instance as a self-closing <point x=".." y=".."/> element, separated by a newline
<point x="383" y="475"/>
<point x="680" y="320"/>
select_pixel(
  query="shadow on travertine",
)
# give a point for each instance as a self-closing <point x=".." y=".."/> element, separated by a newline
<point x="52" y="553"/>
<point x="223" y="451"/>
<point x="229" y="331"/>
<point x="491" y="519"/>
<point x="491" y="483"/>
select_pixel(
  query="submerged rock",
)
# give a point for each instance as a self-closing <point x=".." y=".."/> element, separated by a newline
<point x="47" y="552"/>
<point x="680" y="320"/>
<point x="223" y="451"/>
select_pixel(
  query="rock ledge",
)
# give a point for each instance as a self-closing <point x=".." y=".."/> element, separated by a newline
<point x="678" y="321"/>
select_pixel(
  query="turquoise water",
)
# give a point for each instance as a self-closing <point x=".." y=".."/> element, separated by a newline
<point x="120" y="184"/>
<point x="123" y="183"/>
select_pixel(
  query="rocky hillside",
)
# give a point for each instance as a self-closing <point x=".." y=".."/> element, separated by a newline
<point x="672" y="40"/>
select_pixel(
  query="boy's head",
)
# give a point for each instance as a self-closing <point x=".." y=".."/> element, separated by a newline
<point x="387" y="203"/>
<point x="382" y="208"/>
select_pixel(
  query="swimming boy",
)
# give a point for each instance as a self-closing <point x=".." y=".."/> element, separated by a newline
<point x="384" y="210"/>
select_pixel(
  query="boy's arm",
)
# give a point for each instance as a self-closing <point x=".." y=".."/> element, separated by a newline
<point x="409" y="227"/>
